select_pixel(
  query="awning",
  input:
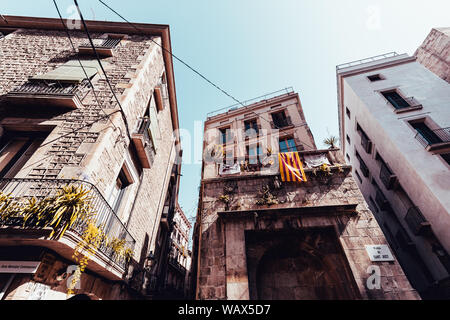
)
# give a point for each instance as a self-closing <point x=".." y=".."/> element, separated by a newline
<point x="71" y="71"/>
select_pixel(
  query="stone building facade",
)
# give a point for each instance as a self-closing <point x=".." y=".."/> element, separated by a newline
<point x="58" y="131"/>
<point x="257" y="237"/>
<point x="179" y="257"/>
<point x="434" y="52"/>
<point x="394" y="127"/>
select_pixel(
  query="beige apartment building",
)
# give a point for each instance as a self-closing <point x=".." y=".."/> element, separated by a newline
<point x="394" y="121"/>
<point x="69" y="149"/>
<point x="259" y="236"/>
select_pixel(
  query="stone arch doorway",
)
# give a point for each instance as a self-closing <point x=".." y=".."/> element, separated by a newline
<point x="303" y="265"/>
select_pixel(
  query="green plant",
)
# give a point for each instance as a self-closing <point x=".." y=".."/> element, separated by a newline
<point x="331" y="141"/>
<point x="119" y="248"/>
<point x="69" y="205"/>
<point x="8" y="208"/>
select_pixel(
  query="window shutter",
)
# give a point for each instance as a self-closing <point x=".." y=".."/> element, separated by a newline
<point x="155" y="133"/>
<point x="71" y="71"/>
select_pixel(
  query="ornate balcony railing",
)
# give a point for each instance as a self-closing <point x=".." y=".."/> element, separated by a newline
<point x="434" y="137"/>
<point x="41" y="87"/>
<point x="416" y="221"/>
<point x="50" y="93"/>
<point x="103" y="215"/>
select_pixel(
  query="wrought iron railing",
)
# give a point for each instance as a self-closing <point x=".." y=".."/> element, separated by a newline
<point x="246" y="103"/>
<point x="174" y="262"/>
<point x="104" y="215"/>
<point x="416" y="221"/>
<point x="435" y="137"/>
<point x="413" y="102"/>
<point x="144" y="129"/>
<point x="386" y="176"/>
<point x="381" y="200"/>
<point x="109" y="43"/>
<point x="57" y="88"/>
<point x="281" y="123"/>
<point x="365" y="142"/>
<point x="366" y="60"/>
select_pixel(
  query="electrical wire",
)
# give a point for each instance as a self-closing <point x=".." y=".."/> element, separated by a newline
<point x="81" y="65"/>
<point x="174" y="56"/>
<point x="103" y="70"/>
<point x="186" y="64"/>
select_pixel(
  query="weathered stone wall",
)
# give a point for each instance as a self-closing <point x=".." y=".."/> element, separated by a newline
<point x="95" y="153"/>
<point x="434" y="53"/>
<point x="223" y="270"/>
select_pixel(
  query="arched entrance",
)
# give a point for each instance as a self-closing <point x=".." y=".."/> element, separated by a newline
<point x="304" y="265"/>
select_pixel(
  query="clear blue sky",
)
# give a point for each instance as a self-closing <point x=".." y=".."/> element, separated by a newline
<point x="251" y="47"/>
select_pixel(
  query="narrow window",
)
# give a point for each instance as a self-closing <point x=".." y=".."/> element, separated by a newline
<point x="287" y="145"/>
<point x="347" y="111"/>
<point x="357" y="175"/>
<point x="366" y="143"/>
<point x="395" y="99"/>
<point x="118" y="191"/>
<point x="348" y="139"/>
<point x="280" y="120"/>
<point x="362" y="165"/>
<point x="375" y="77"/>
<point x="225" y="135"/>
<point x="425" y="134"/>
<point x="16" y="148"/>
<point x="251" y="127"/>
<point x="253" y="153"/>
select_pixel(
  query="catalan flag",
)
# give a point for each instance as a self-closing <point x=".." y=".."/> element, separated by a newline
<point x="291" y="168"/>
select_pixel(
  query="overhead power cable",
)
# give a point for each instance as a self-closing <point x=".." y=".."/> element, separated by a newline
<point x="183" y="62"/>
<point x="81" y="65"/>
<point x="174" y="56"/>
<point x="103" y="70"/>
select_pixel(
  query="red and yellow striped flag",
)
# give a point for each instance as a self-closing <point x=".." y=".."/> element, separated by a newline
<point x="291" y="168"/>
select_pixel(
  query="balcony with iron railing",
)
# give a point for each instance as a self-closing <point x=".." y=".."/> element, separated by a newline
<point x="282" y="123"/>
<point x="364" y="168"/>
<point x="248" y="104"/>
<point x="143" y="143"/>
<point x="177" y="265"/>
<point x="366" y="143"/>
<point x="412" y="104"/>
<point x="14" y="230"/>
<point x="104" y="47"/>
<point x="387" y="177"/>
<point x="381" y="201"/>
<point x="438" y="139"/>
<point x="417" y="222"/>
<point x="50" y="93"/>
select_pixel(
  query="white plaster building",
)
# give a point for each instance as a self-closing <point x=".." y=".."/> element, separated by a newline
<point x="394" y="117"/>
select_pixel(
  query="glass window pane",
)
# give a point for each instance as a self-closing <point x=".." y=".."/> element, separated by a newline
<point x="291" y="144"/>
<point x="283" y="146"/>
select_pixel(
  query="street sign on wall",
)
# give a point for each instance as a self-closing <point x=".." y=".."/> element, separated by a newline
<point x="379" y="252"/>
<point x="19" y="266"/>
